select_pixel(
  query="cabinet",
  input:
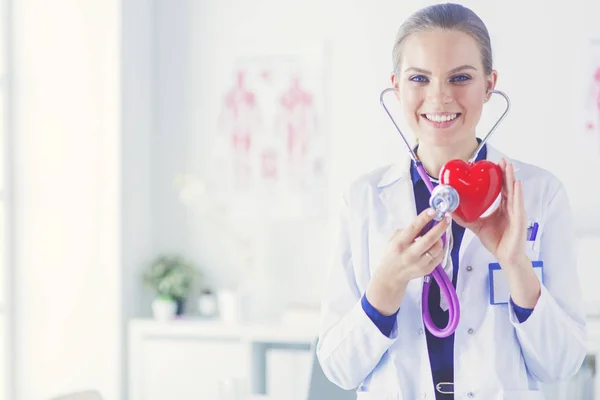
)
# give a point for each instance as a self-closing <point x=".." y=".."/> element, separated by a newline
<point x="171" y="368"/>
<point x="190" y="359"/>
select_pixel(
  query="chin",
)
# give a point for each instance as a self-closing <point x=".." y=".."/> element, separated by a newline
<point x="444" y="137"/>
<point x="434" y="136"/>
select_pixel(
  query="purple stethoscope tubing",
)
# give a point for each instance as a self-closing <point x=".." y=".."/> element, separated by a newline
<point x="444" y="282"/>
<point x="446" y="288"/>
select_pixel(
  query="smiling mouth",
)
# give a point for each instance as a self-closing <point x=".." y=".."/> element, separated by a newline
<point x="439" y="118"/>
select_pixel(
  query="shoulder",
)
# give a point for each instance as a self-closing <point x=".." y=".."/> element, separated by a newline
<point x="367" y="184"/>
<point x="537" y="178"/>
<point x="534" y="177"/>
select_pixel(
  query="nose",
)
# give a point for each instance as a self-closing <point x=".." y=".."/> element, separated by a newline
<point x="439" y="93"/>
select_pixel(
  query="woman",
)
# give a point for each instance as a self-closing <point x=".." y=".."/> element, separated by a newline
<point x="372" y="335"/>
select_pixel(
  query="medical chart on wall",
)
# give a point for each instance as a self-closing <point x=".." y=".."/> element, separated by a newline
<point x="587" y="141"/>
<point x="591" y="131"/>
<point x="270" y="140"/>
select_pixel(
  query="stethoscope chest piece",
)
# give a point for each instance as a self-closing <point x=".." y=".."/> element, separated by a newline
<point x="444" y="199"/>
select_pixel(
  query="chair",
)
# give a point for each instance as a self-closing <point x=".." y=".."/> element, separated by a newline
<point x="85" y="395"/>
<point x="320" y="387"/>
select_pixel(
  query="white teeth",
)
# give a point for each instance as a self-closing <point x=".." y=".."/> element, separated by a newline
<point x="440" y="118"/>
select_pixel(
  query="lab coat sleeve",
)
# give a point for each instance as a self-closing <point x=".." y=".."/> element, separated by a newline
<point x="552" y="339"/>
<point x="350" y="345"/>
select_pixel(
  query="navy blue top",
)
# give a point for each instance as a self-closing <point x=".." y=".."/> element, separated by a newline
<point x="441" y="350"/>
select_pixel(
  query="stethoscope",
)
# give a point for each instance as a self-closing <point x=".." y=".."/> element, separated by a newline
<point x="444" y="199"/>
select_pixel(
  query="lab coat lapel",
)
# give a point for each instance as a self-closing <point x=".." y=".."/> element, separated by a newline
<point x="397" y="195"/>
<point x="399" y="209"/>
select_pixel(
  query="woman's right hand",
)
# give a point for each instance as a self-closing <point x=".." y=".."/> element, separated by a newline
<point x="406" y="257"/>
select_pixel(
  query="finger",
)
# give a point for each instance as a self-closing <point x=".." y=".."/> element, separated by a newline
<point x="430" y="238"/>
<point x="502" y="165"/>
<point x="393" y="235"/>
<point x="408" y="234"/>
<point x="426" y="264"/>
<point x="433" y="251"/>
<point x="437" y="248"/>
<point x="510" y="186"/>
<point x="519" y="204"/>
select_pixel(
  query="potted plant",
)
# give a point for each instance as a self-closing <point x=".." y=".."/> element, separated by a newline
<point x="171" y="278"/>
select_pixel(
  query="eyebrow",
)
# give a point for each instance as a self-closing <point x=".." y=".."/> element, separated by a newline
<point x="453" y="71"/>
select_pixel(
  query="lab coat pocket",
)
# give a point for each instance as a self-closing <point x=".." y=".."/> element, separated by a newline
<point x="523" y="395"/>
<point x="532" y="246"/>
<point x="532" y="250"/>
<point x="499" y="289"/>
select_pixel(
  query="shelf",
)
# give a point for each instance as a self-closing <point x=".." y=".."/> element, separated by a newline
<point x="264" y="333"/>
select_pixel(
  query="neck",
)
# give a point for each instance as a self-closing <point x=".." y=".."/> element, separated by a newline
<point x="434" y="157"/>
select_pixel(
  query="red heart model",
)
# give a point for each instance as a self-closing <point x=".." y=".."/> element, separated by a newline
<point x="478" y="185"/>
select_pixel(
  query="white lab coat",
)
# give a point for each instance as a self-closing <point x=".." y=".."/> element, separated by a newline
<point x="495" y="356"/>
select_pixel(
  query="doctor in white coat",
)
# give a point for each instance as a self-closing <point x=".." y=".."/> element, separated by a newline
<point x="443" y="71"/>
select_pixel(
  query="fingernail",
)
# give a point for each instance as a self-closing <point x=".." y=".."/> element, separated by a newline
<point x="448" y="219"/>
<point x="431" y="212"/>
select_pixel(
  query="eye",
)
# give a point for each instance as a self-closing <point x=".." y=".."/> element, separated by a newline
<point x="418" y="78"/>
<point x="460" y="78"/>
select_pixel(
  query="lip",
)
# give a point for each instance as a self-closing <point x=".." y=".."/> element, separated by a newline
<point x="441" y="125"/>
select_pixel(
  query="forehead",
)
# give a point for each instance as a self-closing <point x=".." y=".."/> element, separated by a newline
<point x="440" y="50"/>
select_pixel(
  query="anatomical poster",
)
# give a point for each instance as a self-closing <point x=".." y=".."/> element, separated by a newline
<point x="270" y="140"/>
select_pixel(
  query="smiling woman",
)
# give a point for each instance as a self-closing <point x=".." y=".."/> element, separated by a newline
<point x="380" y="295"/>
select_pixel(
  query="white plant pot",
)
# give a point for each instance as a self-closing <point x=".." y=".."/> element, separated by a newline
<point x="164" y="310"/>
<point x="207" y="305"/>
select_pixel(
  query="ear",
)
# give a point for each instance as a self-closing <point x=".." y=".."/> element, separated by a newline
<point x="491" y="80"/>
<point x="394" y="79"/>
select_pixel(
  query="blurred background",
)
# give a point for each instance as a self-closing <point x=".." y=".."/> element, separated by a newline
<point x="171" y="172"/>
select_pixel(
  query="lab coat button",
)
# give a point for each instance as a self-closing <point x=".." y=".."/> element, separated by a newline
<point x="469" y="268"/>
<point x="421" y="331"/>
<point x="470" y="395"/>
<point x="470" y="331"/>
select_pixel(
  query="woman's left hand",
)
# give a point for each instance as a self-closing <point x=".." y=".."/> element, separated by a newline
<point x="503" y="232"/>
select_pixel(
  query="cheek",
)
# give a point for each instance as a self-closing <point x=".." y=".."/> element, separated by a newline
<point x="471" y="100"/>
<point x="411" y="100"/>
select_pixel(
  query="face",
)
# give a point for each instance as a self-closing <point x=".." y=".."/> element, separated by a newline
<point x="442" y="86"/>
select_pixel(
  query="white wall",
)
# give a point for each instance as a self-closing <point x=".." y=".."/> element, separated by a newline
<point x="535" y="45"/>
<point x="67" y="197"/>
<point x="137" y="146"/>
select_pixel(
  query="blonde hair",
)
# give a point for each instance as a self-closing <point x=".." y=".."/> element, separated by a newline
<point x="448" y="17"/>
